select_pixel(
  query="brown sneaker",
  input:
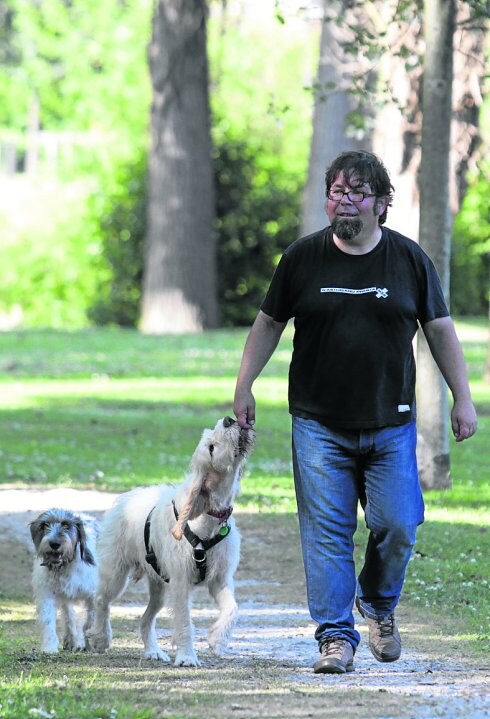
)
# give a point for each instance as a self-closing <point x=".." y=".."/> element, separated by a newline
<point x="384" y="638"/>
<point x="337" y="657"/>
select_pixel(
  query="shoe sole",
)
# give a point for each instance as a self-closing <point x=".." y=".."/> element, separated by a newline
<point x="380" y="658"/>
<point x="322" y="667"/>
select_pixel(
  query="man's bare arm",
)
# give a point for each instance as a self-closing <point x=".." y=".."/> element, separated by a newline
<point x="446" y="350"/>
<point x="259" y="347"/>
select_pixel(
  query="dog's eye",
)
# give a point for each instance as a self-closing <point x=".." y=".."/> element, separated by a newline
<point x="66" y="525"/>
<point x="211" y="449"/>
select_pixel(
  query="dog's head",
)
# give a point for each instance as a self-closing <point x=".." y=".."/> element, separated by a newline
<point x="224" y="449"/>
<point x="57" y="533"/>
<point x="216" y="469"/>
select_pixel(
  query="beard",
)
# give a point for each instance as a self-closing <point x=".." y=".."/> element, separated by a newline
<point x="346" y="229"/>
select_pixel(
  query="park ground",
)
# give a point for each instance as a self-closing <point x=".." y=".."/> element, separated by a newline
<point x="267" y="673"/>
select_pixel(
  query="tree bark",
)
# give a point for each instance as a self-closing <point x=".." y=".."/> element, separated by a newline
<point x="333" y="103"/>
<point x="435" y="231"/>
<point x="179" y="282"/>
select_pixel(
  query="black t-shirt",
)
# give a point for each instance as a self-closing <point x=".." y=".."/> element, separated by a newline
<point x="355" y="317"/>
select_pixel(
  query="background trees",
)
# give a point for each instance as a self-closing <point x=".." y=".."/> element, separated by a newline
<point x="86" y="64"/>
<point x="435" y="229"/>
<point x="179" y="280"/>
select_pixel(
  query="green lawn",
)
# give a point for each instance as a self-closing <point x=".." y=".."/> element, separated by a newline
<point x="113" y="409"/>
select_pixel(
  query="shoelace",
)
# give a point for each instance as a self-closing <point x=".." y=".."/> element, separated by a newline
<point x="333" y="646"/>
<point x="387" y="626"/>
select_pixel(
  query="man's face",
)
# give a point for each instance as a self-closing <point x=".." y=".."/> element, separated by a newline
<point x="349" y="218"/>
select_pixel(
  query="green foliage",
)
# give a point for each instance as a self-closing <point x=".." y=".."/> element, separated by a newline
<point x="84" y="61"/>
<point x="257" y="215"/>
<point x="49" y="278"/>
<point x="258" y="209"/>
<point x="259" y="72"/>
<point x="470" y="258"/>
<point x="119" y="220"/>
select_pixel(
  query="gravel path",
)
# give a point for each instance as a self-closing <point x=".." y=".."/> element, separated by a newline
<point x="281" y="632"/>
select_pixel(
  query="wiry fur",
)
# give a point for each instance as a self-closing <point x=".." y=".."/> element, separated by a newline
<point x="215" y="468"/>
<point x="64" y="573"/>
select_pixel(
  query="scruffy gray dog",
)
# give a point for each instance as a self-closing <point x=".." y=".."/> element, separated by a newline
<point x="64" y="573"/>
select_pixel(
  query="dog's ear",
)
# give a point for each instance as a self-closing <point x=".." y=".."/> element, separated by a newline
<point x="36" y="531"/>
<point x="85" y="553"/>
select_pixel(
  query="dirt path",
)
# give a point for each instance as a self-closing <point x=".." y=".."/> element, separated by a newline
<point x="273" y="643"/>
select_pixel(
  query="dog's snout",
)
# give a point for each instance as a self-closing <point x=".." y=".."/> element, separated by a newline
<point x="228" y="421"/>
<point x="55" y="545"/>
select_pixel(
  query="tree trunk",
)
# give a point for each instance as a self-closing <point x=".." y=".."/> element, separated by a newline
<point x="333" y="103"/>
<point x="179" y="282"/>
<point x="396" y="136"/>
<point x="435" y="231"/>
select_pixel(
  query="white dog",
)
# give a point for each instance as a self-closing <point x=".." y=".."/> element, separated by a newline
<point x="64" y="573"/>
<point x="139" y="535"/>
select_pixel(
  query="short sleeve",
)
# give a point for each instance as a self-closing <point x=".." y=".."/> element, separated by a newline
<point x="432" y="302"/>
<point x="277" y="302"/>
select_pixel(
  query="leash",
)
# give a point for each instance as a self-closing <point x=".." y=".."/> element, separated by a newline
<point x="200" y="546"/>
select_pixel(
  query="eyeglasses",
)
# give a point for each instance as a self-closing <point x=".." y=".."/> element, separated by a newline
<point x="353" y="195"/>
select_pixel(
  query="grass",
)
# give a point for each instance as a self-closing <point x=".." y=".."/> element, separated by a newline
<point x="111" y="409"/>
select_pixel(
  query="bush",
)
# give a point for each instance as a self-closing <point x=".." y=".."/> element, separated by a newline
<point x="120" y="219"/>
<point x="49" y="275"/>
<point x="257" y="208"/>
<point x="470" y="252"/>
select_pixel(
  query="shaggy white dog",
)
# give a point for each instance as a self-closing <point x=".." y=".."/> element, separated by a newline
<point x="64" y="573"/>
<point x="178" y="537"/>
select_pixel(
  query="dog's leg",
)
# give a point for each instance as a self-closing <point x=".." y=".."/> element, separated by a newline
<point x="73" y="639"/>
<point x="89" y="619"/>
<point x="112" y="581"/>
<point x="148" y="621"/>
<point x="220" y="632"/>
<point x="46" y="620"/>
<point x="183" y="629"/>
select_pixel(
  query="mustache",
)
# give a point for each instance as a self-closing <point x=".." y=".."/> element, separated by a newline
<point x="346" y="229"/>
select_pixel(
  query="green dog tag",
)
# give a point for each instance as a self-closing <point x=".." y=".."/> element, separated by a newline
<point x="224" y="530"/>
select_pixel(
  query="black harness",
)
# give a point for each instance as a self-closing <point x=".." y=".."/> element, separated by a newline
<point x="200" y="546"/>
<point x="150" y="554"/>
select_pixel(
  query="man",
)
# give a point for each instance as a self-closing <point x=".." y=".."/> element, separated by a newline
<point x="358" y="293"/>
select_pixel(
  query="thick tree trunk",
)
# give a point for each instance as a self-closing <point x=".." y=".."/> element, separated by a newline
<point x="333" y="103"/>
<point x="396" y="137"/>
<point x="179" y="283"/>
<point x="435" y="231"/>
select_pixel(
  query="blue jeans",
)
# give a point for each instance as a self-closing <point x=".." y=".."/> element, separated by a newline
<point x="333" y="471"/>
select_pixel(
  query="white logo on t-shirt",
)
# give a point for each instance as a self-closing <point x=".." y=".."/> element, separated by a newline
<point x="380" y="291"/>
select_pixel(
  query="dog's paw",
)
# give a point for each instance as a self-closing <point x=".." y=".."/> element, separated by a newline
<point x="219" y="648"/>
<point x="186" y="659"/>
<point x="156" y="655"/>
<point x="218" y="640"/>
<point x="98" y="643"/>
<point x="73" y="645"/>
<point x="50" y="648"/>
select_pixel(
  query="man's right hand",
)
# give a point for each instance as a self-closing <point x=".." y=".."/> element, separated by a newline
<point x="244" y="408"/>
